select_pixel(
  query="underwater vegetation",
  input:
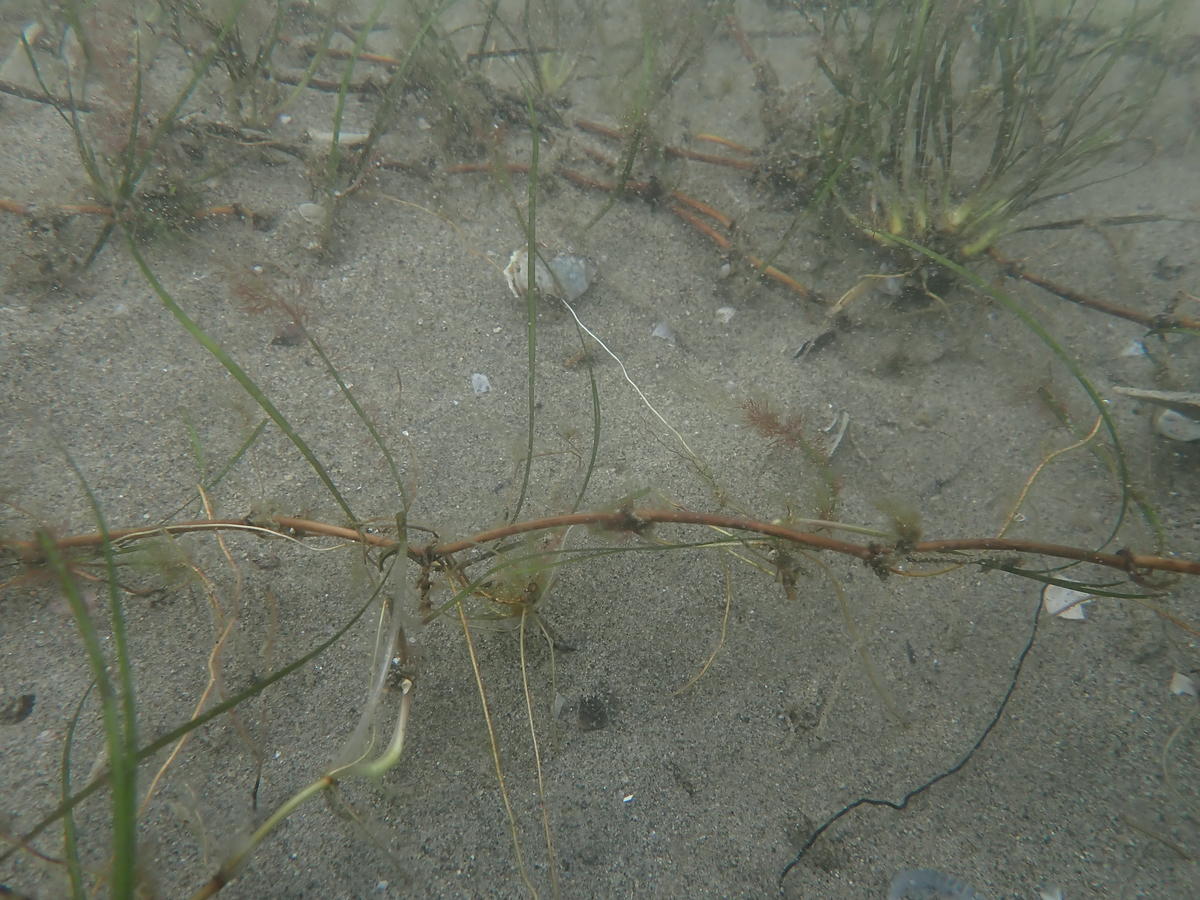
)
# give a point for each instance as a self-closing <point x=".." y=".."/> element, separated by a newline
<point x="956" y="119"/>
<point x="397" y="500"/>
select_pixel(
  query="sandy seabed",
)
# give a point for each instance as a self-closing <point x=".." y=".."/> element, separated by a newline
<point x="705" y="793"/>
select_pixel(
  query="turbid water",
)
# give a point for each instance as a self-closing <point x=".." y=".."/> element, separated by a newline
<point x="1090" y="779"/>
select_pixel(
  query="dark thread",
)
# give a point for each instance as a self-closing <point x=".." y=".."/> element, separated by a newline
<point x="873" y="801"/>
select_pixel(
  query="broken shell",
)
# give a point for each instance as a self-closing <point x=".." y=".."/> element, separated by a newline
<point x="564" y="276"/>
<point x="1134" y="348"/>
<point x="930" y="883"/>
<point x="663" y="332"/>
<point x="1182" y="685"/>
<point x="1064" y="603"/>
<point x="344" y="138"/>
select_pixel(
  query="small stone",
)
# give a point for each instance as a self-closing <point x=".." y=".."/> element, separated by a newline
<point x="572" y="276"/>
<point x="480" y="383"/>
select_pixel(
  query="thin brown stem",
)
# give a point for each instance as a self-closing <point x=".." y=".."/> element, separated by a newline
<point x="759" y="264"/>
<point x="617" y="134"/>
<point x="631" y="521"/>
<point x="712" y="159"/>
<point x="1154" y="322"/>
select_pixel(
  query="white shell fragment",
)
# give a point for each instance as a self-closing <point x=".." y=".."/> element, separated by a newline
<point x="1064" y="603"/>
<point x="480" y="383"/>
<point x="663" y="331"/>
<point x="888" y="284"/>
<point x="1134" y="348"/>
<point x="15" y="67"/>
<point x="930" y="884"/>
<point x="836" y="430"/>
<point x="1182" y="685"/>
<point x="345" y="138"/>
<point x="1175" y="426"/>
<point x="725" y="314"/>
<point x="564" y="276"/>
<point x="1182" y="399"/>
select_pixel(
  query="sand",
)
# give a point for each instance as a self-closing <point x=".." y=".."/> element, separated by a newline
<point x="650" y="791"/>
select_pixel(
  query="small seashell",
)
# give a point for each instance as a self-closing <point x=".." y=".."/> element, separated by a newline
<point x="480" y="383"/>
<point x="725" y="314"/>
<point x="311" y="212"/>
<point x="1175" y="426"/>
<point x="564" y="276"/>
<point x="1178" y="418"/>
